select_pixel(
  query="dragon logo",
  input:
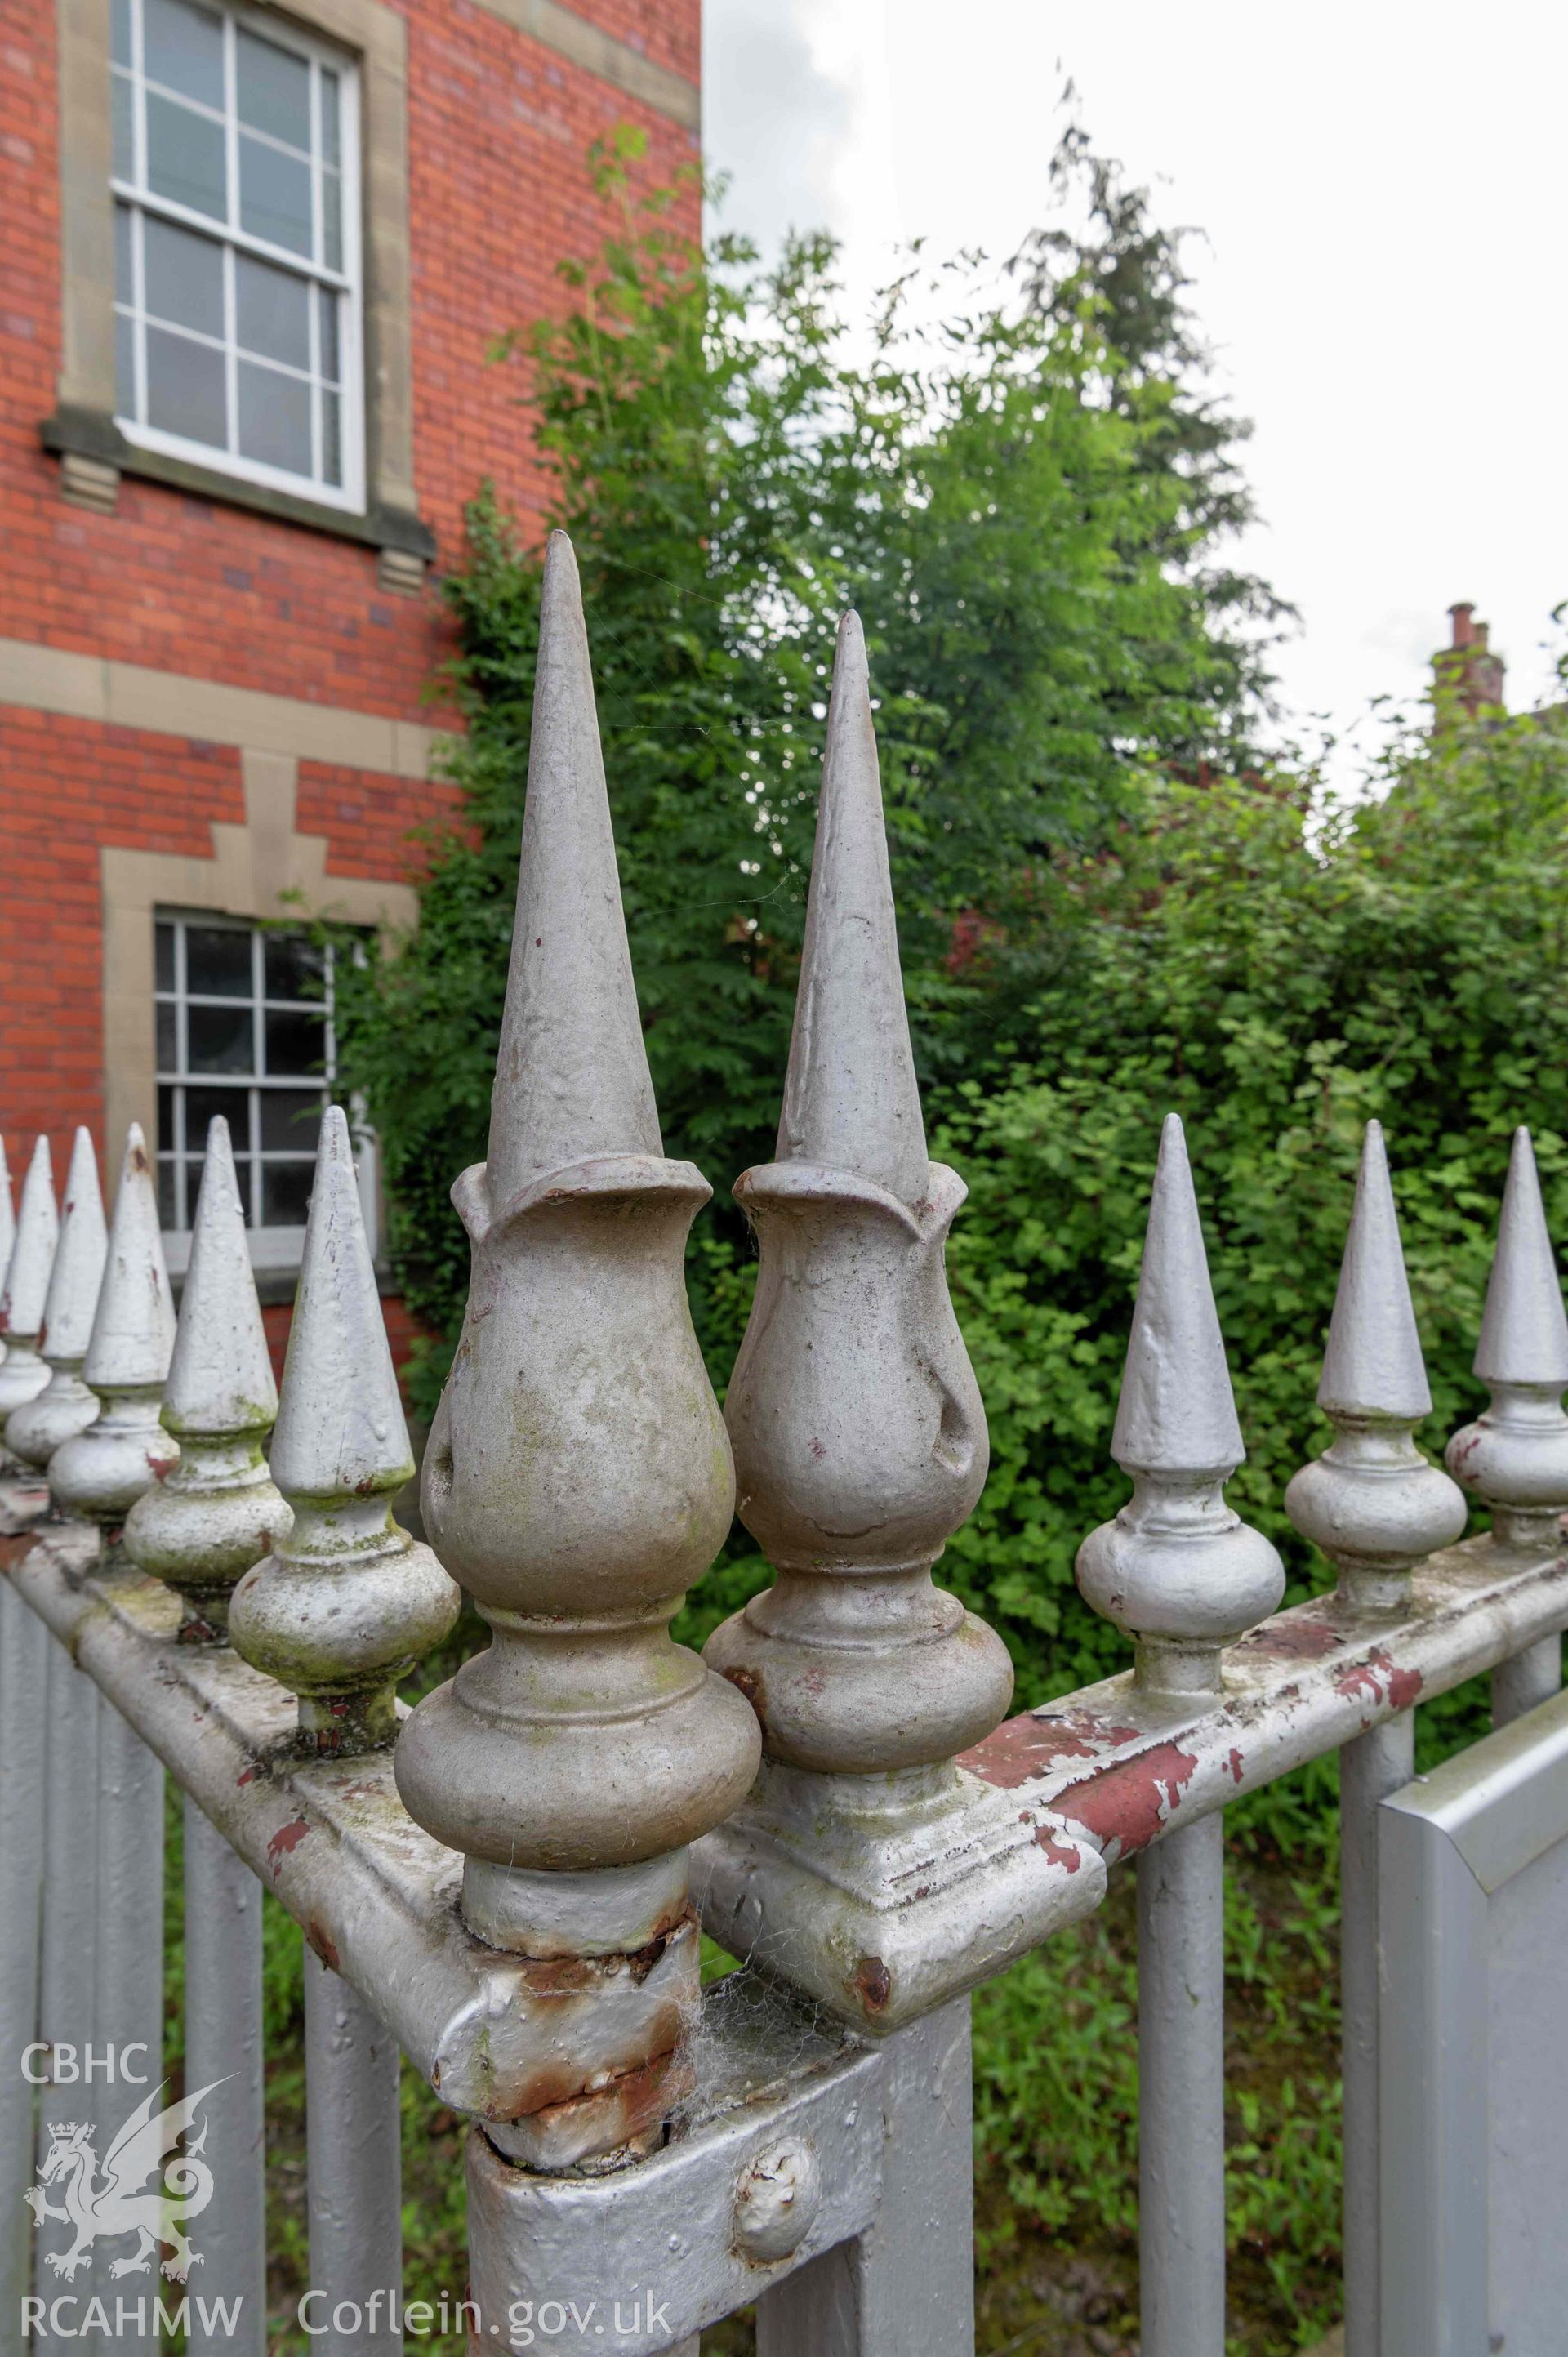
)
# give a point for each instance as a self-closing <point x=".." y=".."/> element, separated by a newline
<point x="98" y="2204"/>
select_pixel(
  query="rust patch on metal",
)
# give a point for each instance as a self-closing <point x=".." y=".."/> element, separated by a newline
<point x="871" y="1984"/>
<point x="287" y="1838"/>
<point x="1131" y="1802"/>
<point x="751" y="1686"/>
<point x="325" y="1945"/>
<point x="1022" y="1749"/>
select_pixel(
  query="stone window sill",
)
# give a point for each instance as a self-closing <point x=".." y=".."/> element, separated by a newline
<point x="94" y="454"/>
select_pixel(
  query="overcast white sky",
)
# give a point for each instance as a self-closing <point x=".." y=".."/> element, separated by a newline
<point x="1384" y="193"/>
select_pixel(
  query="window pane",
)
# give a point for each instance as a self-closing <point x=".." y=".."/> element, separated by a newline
<point x="166" y="1119"/>
<point x="331" y="220"/>
<point x="202" y="1105"/>
<point x="185" y="387"/>
<point x="182" y="276"/>
<point x="290" y="1119"/>
<point x="125" y="284"/>
<point x="220" y="1039"/>
<point x="184" y="157"/>
<point x="285" y="1193"/>
<point x="125" y="365"/>
<point x="328" y="304"/>
<point x="294" y="968"/>
<point x="275" y="418"/>
<point x="275" y="195"/>
<point x="295" y="1042"/>
<point x="330" y="136"/>
<point x="331" y="439"/>
<point x="217" y="962"/>
<point x="182" y="47"/>
<point x="274" y="88"/>
<point x="272" y="311"/>
<point x="166" y="1218"/>
<point x="168" y="1053"/>
<point x="120" y="32"/>
<point x="121" y="104"/>
<point x="163" y="950"/>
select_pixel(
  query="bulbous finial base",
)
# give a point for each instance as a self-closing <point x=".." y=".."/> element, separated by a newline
<point x="1376" y="1507"/>
<point x="201" y="1530"/>
<point x="513" y="1759"/>
<point x="63" y="1408"/>
<point x="341" y="1632"/>
<point x="23" y="1375"/>
<point x="863" y="1672"/>
<point x="99" y="1476"/>
<point x="1182" y="1573"/>
<point x="1514" y="1459"/>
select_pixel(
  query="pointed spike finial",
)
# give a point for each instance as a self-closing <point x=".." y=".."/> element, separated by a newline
<point x="1373" y="1364"/>
<point x="1178" y="1570"/>
<point x="1176" y="1412"/>
<point x="572" y="1076"/>
<point x="1373" y="1504"/>
<point x="23" y="1373"/>
<point x="1524" y="1331"/>
<point x="1514" y="1457"/>
<point x="851" y="1102"/>
<point x="99" y="1474"/>
<point x="347" y="1602"/>
<point x="66" y="1405"/>
<point x="218" y="1513"/>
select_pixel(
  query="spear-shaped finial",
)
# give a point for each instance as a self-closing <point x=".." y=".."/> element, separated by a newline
<point x="1178" y="1569"/>
<point x="101" y="1473"/>
<point x="23" y="1373"/>
<point x="66" y="1405"/>
<point x="571" y="1075"/>
<point x="1514" y="1457"/>
<point x="859" y="1436"/>
<point x="1374" y="1504"/>
<point x="347" y="1602"/>
<point x="851" y="1102"/>
<point x="217" y="1512"/>
<point x="576" y="1479"/>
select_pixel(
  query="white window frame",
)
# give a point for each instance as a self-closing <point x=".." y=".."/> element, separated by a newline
<point x="278" y="1247"/>
<point x="347" y="284"/>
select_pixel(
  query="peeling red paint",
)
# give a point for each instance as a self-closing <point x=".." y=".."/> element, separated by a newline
<point x="1295" y="1637"/>
<point x="1233" y="1762"/>
<point x="287" y="1838"/>
<point x="1060" y="1853"/>
<point x="1022" y="1749"/>
<point x="248" y="1776"/>
<point x="1129" y="1803"/>
<point x="325" y="1945"/>
<point x="1378" y="1680"/>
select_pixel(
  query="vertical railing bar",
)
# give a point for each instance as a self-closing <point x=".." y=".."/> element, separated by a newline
<point x="354" y="2165"/>
<point x="1529" y="1679"/>
<point x="24" y="1670"/>
<point x="1181" y="2092"/>
<point x="1378" y="1763"/>
<point x="223" y="2043"/>
<point x="128" y="1961"/>
<point x="68" y="1934"/>
<point x="909" y="2281"/>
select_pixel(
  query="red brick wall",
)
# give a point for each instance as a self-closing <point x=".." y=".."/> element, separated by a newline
<point x="499" y="127"/>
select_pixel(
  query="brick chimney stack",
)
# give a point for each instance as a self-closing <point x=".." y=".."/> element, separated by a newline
<point x="1467" y="673"/>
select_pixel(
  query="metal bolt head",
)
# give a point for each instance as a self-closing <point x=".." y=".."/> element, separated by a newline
<point x="776" y="2200"/>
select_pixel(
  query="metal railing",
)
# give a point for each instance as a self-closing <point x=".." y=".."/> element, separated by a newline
<point x="506" y="1884"/>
